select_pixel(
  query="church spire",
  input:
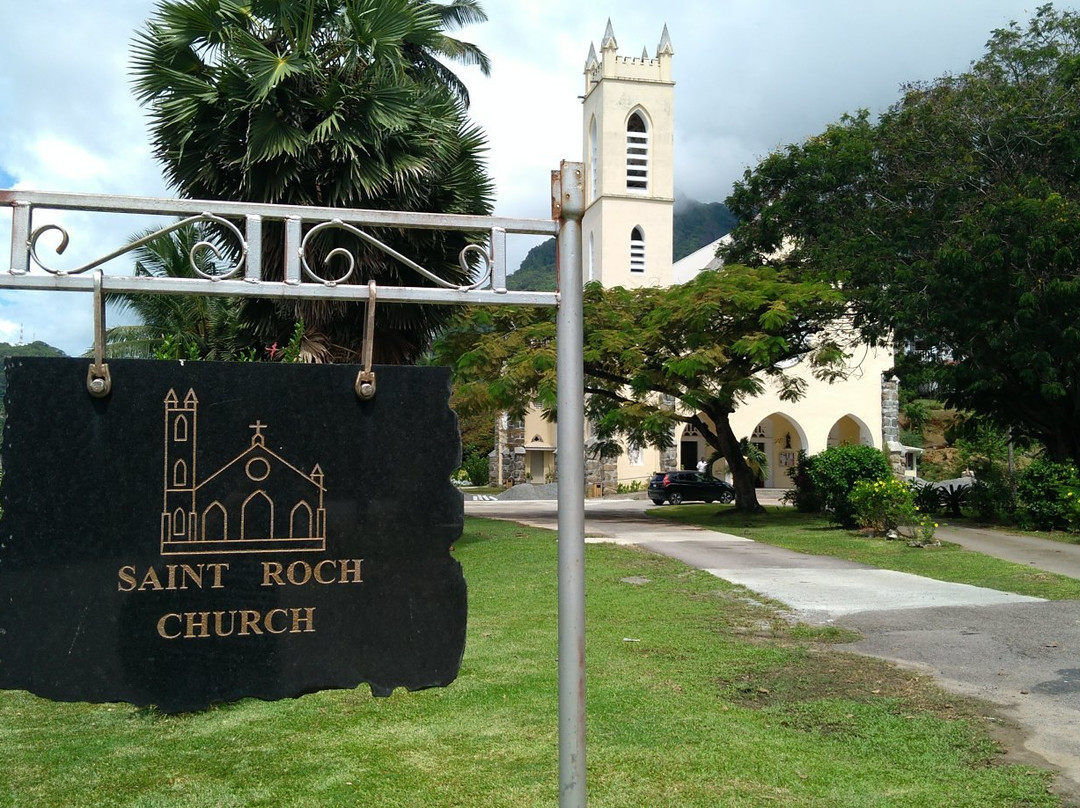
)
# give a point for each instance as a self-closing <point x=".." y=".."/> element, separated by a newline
<point x="665" y="48"/>
<point x="592" y="62"/>
<point x="608" y="42"/>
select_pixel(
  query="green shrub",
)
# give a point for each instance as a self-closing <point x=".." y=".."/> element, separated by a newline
<point x="991" y="495"/>
<point x="953" y="497"/>
<point x="804" y="496"/>
<point x="917" y="413"/>
<point x="1041" y="493"/>
<point x="882" y="505"/>
<point x="926" y="496"/>
<point x="909" y="438"/>
<point x="835" y="471"/>
<point x="1071" y="502"/>
<point x="476" y="466"/>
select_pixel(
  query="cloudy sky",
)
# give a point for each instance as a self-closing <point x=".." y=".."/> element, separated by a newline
<point x="751" y="75"/>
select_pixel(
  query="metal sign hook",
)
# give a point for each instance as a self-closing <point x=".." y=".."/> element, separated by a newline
<point x="365" y="379"/>
<point x="98" y="380"/>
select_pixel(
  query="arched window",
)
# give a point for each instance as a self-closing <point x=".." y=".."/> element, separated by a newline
<point x="594" y="168"/>
<point x="180" y="427"/>
<point x="301" y="521"/>
<point x="637" y="154"/>
<point x="179" y="526"/>
<point x="179" y="474"/>
<point x="257" y="517"/>
<point x="637" y="250"/>
<point x="215" y="523"/>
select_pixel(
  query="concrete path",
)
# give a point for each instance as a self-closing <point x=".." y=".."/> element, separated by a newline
<point x="1044" y="554"/>
<point x="1018" y="652"/>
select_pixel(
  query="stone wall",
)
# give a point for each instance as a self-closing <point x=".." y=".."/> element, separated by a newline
<point x="603" y="472"/>
<point x="506" y="462"/>
<point x="890" y="422"/>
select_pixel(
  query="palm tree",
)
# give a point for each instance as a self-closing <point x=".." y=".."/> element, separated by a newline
<point x="177" y="326"/>
<point x="339" y="103"/>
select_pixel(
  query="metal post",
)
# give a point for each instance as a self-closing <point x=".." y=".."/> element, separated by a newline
<point x="568" y="206"/>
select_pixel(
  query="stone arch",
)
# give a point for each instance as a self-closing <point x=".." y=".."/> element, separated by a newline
<point x="781" y="436"/>
<point x="850" y="429"/>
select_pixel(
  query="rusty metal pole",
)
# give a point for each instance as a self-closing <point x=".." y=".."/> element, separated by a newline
<point x="568" y="206"/>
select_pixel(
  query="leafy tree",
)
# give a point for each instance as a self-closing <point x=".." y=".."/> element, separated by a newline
<point x="954" y="222"/>
<point x="340" y="103"/>
<point x="180" y="326"/>
<point x="655" y="358"/>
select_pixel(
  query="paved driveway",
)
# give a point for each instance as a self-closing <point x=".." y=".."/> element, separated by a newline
<point x="1018" y="652"/>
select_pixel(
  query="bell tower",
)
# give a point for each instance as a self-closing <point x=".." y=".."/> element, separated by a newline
<point x="629" y="144"/>
<point x="179" y="478"/>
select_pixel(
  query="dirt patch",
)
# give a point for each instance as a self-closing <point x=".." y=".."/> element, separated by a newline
<point x="825" y="674"/>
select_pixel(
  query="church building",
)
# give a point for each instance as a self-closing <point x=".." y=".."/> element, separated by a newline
<point x="628" y="136"/>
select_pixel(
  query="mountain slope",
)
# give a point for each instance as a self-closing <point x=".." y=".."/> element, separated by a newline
<point x="695" y="225"/>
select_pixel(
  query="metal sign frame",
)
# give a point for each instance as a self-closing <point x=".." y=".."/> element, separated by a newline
<point x="27" y="270"/>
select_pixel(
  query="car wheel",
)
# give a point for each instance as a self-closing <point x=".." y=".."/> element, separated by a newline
<point x="658" y="502"/>
<point x="727" y="497"/>
<point x="675" y="499"/>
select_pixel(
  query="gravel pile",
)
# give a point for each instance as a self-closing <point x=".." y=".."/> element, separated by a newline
<point x="530" y="491"/>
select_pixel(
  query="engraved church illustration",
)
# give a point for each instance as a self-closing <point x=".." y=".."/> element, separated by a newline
<point x="258" y="502"/>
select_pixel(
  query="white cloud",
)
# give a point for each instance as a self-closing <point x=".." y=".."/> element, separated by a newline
<point x="751" y="75"/>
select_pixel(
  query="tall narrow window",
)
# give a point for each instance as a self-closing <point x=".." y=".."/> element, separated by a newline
<point x="637" y="250"/>
<point x="593" y="162"/>
<point x="592" y="257"/>
<point x="637" y="154"/>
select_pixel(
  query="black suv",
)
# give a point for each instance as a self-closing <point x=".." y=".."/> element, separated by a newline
<point x="688" y="486"/>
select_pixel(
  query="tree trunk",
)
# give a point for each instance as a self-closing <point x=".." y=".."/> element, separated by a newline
<point x="742" y="477"/>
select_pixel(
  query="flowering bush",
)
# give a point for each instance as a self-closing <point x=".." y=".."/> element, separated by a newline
<point x="882" y="505"/>
<point x="1070" y="500"/>
<point x="836" y="471"/>
<point x="921" y="530"/>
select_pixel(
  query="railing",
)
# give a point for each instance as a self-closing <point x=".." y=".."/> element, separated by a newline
<point x="245" y="278"/>
<point x="29" y="270"/>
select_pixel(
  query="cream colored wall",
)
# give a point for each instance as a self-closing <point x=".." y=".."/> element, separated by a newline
<point x="537" y="427"/>
<point x="859" y="396"/>
<point x="630" y="473"/>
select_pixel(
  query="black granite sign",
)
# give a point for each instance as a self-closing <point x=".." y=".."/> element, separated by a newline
<point x="211" y="531"/>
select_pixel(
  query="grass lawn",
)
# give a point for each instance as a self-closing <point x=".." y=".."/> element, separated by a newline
<point x="813" y="534"/>
<point x="698" y="696"/>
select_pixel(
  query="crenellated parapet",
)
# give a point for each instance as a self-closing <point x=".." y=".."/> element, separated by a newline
<point x="609" y="65"/>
